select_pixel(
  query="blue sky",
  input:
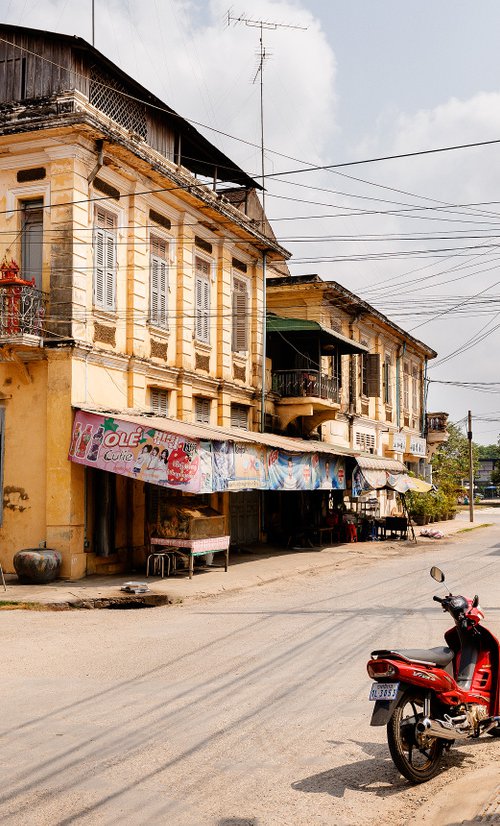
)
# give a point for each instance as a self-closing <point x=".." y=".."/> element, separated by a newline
<point x="367" y="78"/>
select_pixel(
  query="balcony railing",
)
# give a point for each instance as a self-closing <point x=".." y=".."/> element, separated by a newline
<point x="310" y="383"/>
<point x="437" y="422"/>
<point x="22" y="310"/>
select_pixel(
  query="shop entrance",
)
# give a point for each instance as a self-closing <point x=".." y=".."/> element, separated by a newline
<point x="244" y="511"/>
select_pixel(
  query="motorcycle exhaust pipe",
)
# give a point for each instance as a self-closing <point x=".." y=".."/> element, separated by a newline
<point x="433" y="728"/>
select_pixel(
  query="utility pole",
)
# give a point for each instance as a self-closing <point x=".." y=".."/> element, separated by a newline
<point x="93" y="26"/>
<point x="262" y="24"/>
<point x="471" y="468"/>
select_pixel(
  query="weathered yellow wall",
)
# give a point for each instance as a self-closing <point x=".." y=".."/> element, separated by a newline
<point x="25" y="459"/>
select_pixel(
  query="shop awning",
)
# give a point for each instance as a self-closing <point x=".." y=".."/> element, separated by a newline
<point x="380" y="463"/>
<point x="201" y="458"/>
<point x="277" y="324"/>
<point x="198" y="430"/>
<point x="381" y="472"/>
<point x="417" y="485"/>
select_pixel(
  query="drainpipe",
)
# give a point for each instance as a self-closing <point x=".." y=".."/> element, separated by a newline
<point x="424" y="399"/>
<point x="263" y="391"/>
<point x="264" y="349"/>
<point x="400" y="355"/>
<point x="100" y="161"/>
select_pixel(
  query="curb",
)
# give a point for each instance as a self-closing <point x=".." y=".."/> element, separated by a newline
<point x="346" y="555"/>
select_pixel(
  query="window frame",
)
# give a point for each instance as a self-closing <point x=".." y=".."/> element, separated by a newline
<point x="415" y="396"/>
<point x="107" y="237"/>
<point x="406" y="386"/>
<point x="203" y="416"/>
<point x="202" y="299"/>
<point x="31" y="206"/>
<point x="237" y="406"/>
<point x="158" y="318"/>
<point x="159" y="392"/>
<point x="387" y="378"/>
<point x="240" y="334"/>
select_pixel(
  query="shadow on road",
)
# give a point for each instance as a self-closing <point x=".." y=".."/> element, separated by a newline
<point x="377" y="775"/>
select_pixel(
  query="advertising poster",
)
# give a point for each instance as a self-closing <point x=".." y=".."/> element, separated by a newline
<point x="287" y="471"/>
<point x="222" y="465"/>
<point x="206" y="467"/>
<point x="136" y="451"/>
<point x="249" y="467"/>
<point x="331" y="473"/>
<point x="359" y="483"/>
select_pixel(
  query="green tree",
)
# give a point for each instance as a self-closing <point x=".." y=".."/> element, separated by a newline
<point x="489" y="451"/>
<point x="450" y="464"/>
<point x="450" y="468"/>
<point x="495" y="475"/>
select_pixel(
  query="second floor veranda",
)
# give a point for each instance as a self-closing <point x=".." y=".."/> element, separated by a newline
<point x="306" y="369"/>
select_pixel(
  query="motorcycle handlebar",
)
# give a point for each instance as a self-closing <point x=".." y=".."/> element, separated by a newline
<point x="438" y="599"/>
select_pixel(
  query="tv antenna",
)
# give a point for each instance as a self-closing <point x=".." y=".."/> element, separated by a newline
<point x="270" y="26"/>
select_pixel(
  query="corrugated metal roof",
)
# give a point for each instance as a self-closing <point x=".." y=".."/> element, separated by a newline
<point x="197" y="430"/>
<point x="380" y="463"/>
<point x="278" y="324"/>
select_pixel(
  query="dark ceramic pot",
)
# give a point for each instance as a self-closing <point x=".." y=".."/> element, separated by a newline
<point x="37" y="565"/>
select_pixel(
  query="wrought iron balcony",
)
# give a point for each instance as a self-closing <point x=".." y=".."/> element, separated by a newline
<point x="22" y="311"/>
<point x="305" y="383"/>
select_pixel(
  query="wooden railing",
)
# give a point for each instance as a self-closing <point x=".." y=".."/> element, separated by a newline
<point x="310" y="383"/>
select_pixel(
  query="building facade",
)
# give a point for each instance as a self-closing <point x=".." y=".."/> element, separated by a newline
<point x="132" y="280"/>
<point x="344" y="373"/>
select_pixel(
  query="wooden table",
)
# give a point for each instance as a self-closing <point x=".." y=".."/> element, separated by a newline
<point x="194" y="547"/>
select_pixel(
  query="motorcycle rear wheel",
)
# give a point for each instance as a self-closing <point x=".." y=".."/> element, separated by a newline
<point x="417" y="757"/>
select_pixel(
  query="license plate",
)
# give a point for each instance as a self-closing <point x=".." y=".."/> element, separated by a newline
<point x="384" y="691"/>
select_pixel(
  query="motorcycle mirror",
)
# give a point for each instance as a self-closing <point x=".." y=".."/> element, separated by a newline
<point x="475" y="601"/>
<point x="437" y="574"/>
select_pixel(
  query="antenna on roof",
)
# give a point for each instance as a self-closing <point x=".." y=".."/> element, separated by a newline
<point x="261" y="24"/>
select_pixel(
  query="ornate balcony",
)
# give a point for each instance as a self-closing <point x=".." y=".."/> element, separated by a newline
<point x="22" y="308"/>
<point x="436" y="432"/>
<point x="308" y="394"/>
<point x="310" y="383"/>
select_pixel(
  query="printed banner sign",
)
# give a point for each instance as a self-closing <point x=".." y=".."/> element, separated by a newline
<point x="139" y="452"/>
<point x="359" y="483"/>
<point x="398" y="442"/>
<point x="194" y="465"/>
<point x="249" y="467"/>
<point x="331" y="473"/>
<point x="418" y="446"/>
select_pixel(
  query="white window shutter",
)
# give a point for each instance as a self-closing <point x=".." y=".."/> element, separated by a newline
<point x="159" y="401"/>
<point x="110" y="272"/>
<point x="202" y="301"/>
<point x="104" y="260"/>
<point x="158" y="311"/>
<point x="99" y="267"/>
<point x="240" y="316"/>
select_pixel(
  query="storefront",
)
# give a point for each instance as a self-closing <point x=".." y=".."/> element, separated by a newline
<point x="140" y="469"/>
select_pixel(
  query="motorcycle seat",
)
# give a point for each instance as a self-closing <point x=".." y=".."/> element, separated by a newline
<point x="440" y="656"/>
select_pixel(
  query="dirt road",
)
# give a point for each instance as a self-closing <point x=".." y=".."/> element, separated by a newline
<point x="244" y="710"/>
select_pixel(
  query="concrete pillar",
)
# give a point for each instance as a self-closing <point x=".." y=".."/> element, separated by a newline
<point x="64" y="479"/>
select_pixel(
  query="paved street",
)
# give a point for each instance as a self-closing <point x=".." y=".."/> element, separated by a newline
<point x="241" y="710"/>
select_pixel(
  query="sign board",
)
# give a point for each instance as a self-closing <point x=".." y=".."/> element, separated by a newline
<point x="397" y="442"/>
<point x="417" y="446"/>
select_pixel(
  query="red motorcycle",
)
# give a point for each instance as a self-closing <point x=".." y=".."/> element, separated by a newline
<point x="428" y="698"/>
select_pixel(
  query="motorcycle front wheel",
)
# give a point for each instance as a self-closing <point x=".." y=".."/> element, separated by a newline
<point x="416" y="756"/>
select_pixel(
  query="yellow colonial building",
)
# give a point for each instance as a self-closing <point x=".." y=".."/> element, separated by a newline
<point x="132" y="280"/>
<point x="344" y="373"/>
